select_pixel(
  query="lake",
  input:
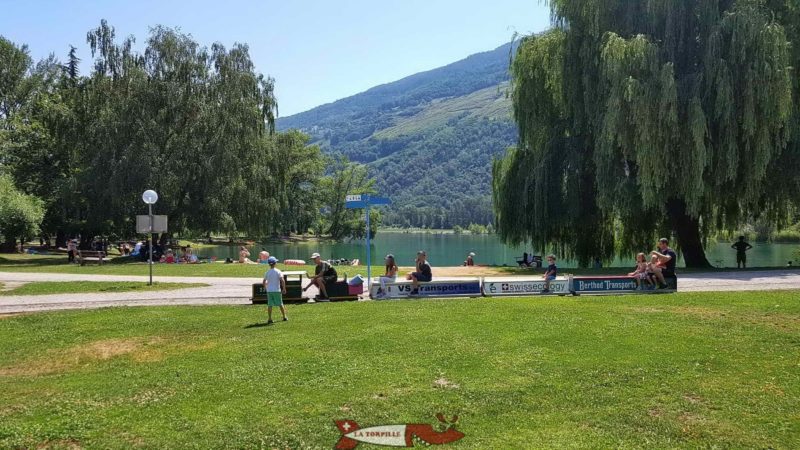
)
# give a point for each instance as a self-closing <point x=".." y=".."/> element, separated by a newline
<point x="451" y="250"/>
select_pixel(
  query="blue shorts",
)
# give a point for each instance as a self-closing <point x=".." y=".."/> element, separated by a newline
<point x="422" y="277"/>
<point x="550" y="278"/>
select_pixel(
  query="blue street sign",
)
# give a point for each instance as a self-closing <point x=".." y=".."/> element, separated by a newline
<point x="355" y="205"/>
<point x="358" y="201"/>
<point x="379" y="201"/>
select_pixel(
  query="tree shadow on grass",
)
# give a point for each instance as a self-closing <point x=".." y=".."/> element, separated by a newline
<point x="34" y="262"/>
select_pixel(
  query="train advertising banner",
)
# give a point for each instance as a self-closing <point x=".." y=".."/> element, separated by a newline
<point x="604" y="284"/>
<point x="467" y="288"/>
<point x="528" y="287"/>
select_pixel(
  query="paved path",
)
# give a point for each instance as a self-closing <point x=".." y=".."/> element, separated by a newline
<point x="236" y="291"/>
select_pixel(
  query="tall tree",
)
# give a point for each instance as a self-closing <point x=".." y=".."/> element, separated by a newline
<point x="346" y="178"/>
<point x="639" y="117"/>
<point x="20" y="214"/>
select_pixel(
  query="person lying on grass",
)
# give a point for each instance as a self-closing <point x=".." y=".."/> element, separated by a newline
<point x="275" y="285"/>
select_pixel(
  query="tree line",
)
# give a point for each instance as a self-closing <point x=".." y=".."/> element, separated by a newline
<point x="196" y="124"/>
<point x="646" y="118"/>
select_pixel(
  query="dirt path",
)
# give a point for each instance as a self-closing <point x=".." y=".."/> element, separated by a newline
<point x="236" y="291"/>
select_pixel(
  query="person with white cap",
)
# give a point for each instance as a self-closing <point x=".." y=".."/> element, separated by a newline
<point x="324" y="273"/>
<point x="470" y="259"/>
<point x="275" y="285"/>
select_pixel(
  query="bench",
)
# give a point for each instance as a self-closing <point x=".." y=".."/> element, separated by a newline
<point x="536" y="261"/>
<point x="84" y="255"/>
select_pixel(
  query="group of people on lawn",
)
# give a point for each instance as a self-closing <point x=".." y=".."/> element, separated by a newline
<point x="187" y="257"/>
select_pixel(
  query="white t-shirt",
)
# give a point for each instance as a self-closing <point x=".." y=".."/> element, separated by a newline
<point x="273" y="277"/>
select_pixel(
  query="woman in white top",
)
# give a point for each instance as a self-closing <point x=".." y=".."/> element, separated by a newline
<point x="389" y="277"/>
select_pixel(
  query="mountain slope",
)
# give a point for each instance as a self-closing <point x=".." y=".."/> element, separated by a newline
<point x="428" y="139"/>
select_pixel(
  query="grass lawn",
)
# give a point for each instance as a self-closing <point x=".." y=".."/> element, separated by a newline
<point x="72" y="287"/>
<point x="663" y="371"/>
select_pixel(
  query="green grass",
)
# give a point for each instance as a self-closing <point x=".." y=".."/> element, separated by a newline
<point x="73" y="287"/>
<point x="662" y="371"/>
<point x="489" y="102"/>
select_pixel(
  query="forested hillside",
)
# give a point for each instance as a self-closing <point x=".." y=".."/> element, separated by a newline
<point x="428" y="139"/>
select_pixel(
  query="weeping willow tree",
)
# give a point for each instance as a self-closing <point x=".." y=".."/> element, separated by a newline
<point x="639" y="118"/>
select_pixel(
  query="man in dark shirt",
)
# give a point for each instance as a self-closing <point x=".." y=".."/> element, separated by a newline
<point x="423" y="274"/>
<point x="323" y="274"/>
<point x="741" y="257"/>
<point x="666" y="258"/>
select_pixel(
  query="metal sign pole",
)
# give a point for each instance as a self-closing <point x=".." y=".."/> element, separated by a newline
<point x="150" y="242"/>
<point x="369" y="258"/>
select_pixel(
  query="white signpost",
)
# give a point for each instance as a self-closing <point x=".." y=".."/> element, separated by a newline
<point x="150" y="197"/>
<point x="143" y="224"/>
<point x="358" y="201"/>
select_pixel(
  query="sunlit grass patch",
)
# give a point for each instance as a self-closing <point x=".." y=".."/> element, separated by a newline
<point x="682" y="370"/>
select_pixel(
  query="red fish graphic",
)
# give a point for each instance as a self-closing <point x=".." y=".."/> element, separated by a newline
<point x="395" y="435"/>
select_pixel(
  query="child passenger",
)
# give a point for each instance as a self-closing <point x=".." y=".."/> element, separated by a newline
<point x="389" y="277"/>
<point x="641" y="271"/>
<point x="551" y="273"/>
<point x="654" y="271"/>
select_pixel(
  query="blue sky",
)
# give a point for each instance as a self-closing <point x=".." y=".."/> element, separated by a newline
<point x="318" y="51"/>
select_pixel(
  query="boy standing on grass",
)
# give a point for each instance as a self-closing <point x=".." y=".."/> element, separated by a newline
<point x="551" y="273"/>
<point x="275" y="286"/>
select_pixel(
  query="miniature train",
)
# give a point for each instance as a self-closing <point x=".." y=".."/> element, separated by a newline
<point x="471" y="287"/>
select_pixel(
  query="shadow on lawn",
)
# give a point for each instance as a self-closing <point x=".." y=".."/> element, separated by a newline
<point x="34" y="262"/>
<point x="257" y="325"/>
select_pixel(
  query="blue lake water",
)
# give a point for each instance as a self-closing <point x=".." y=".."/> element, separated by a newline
<point x="451" y="250"/>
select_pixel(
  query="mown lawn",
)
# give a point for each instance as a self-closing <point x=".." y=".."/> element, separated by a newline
<point x="74" y="287"/>
<point x="684" y="370"/>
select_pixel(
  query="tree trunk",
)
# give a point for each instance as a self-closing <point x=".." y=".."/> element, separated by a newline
<point x="86" y="240"/>
<point x="9" y="246"/>
<point x="61" y="238"/>
<point x="688" y="230"/>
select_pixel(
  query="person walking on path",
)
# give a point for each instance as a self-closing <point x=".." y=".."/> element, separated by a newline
<point x="741" y="257"/>
<point x="275" y="286"/>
